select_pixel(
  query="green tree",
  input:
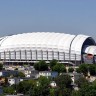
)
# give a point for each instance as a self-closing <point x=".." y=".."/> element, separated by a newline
<point x="70" y="69"/>
<point x="64" y="92"/>
<point x="56" y="68"/>
<point x="76" y="93"/>
<point x="63" y="81"/>
<point x="8" y="90"/>
<point x="20" y="74"/>
<point x="91" y="92"/>
<point x="1" y="66"/>
<point x="53" y="63"/>
<point x="36" y="91"/>
<point x="92" y="69"/>
<point x="44" y="81"/>
<point x="25" y="86"/>
<point x="42" y="87"/>
<point x="94" y="84"/>
<point x="81" y="81"/>
<point x="59" y="68"/>
<point x="62" y="68"/>
<point x="83" y="69"/>
<point x="87" y="90"/>
<point x="41" y="65"/>
<point x="78" y="70"/>
<point x="52" y="92"/>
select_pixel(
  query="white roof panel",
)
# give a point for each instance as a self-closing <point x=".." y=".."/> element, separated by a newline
<point x="44" y="40"/>
<point x="90" y="50"/>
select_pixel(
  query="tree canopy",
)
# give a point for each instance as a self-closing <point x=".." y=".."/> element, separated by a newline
<point x="1" y="67"/>
<point x="84" y="68"/>
<point x="59" y="68"/>
<point x="70" y="69"/>
<point x="81" y="81"/>
<point x="53" y="63"/>
<point x="41" y="66"/>
<point x="20" y="74"/>
<point x="56" y="66"/>
<point x="63" y="81"/>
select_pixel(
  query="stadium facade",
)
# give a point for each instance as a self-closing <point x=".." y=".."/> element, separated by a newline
<point x="34" y="46"/>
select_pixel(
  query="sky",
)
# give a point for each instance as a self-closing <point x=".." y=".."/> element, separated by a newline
<point x="67" y="16"/>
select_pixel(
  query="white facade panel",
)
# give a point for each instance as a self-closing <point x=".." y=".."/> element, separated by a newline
<point x="61" y="56"/>
<point x="7" y="55"/>
<point x="23" y="57"/>
<point x="12" y="54"/>
<point x="34" y="55"/>
<point x="50" y="55"/>
<point x="2" y="55"/>
<point x="18" y="55"/>
<point x="28" y="54"/>
<point x="45" y="54"/>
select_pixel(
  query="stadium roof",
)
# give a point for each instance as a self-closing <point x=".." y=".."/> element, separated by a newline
<point x="44" y="41"/>
<point x="91" y="50"/>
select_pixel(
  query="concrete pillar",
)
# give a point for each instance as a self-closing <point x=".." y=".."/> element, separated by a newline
<point x="69" y="57"/>
<point x="20" y="55"/>
<point x="31" y="54"/>
<point x="15" y="54"/>
<point x="52" y="54"/>
<point x="58" y="56"/>
<point x="36" y="55"/>
<point x="64" y="55"/>
<point x="4" y="56"/>
<point x="47" y="55"/>
<point x="75" y="59"/>
<point x="9" y="56"/>
<point x="0" y="56"/>
<point x="42" y="54"/>
<point x="26" y="55"/>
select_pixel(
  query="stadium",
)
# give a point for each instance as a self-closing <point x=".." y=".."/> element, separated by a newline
<point x="35" y="46"/>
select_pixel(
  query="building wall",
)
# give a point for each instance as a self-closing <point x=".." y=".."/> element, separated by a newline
<point x="35" y="55"/>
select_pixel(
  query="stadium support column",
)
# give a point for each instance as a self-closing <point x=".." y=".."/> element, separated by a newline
<point x="26" y="55"/>
<point x="31" y="54"/>
<point x="69" y="57"/>
<point x="75" y="59"/>
<point x="4" y="56"/>
<point x="20" y="55"/>
<point x="64" y="55"/>
<point x="0" y="56"/>
<point x="58" y="56"/>
<point x="52" y="54"/>
<point x="36" y="55"/>
<point x="47" y="55"/>
<point x="9" y="56"/>
<point x="15" y="54"/>
<point x="41" y="54"/>
<point x="82" y="61"/>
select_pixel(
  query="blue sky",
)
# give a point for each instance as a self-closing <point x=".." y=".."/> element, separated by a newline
<point x="68" y="16"/>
